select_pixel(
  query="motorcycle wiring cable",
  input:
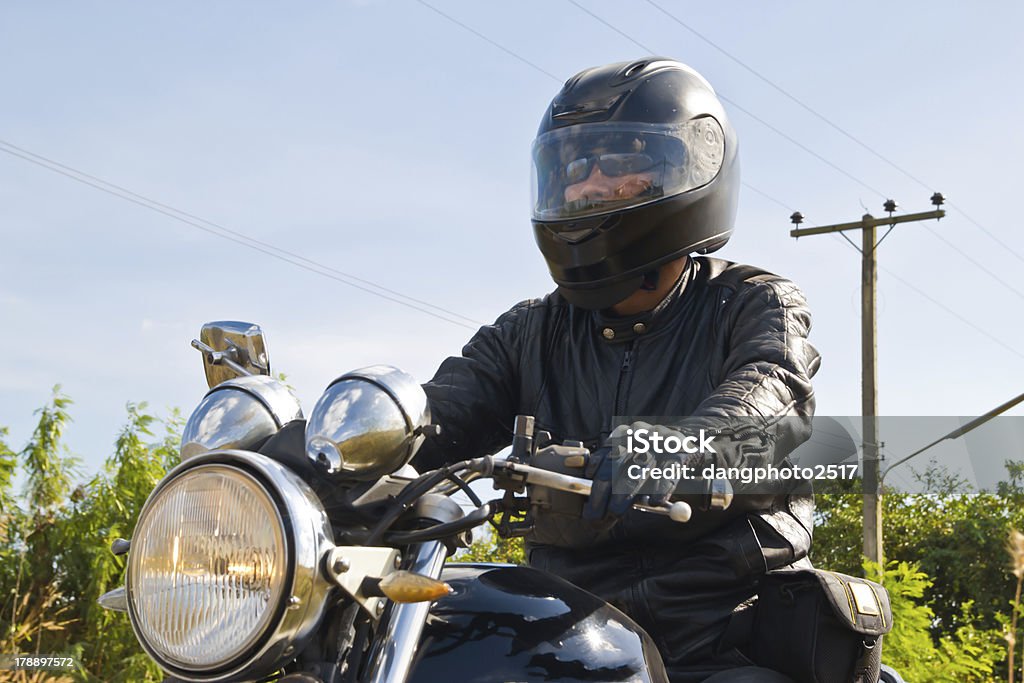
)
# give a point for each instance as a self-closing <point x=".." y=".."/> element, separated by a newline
<point x="413" y="491"/>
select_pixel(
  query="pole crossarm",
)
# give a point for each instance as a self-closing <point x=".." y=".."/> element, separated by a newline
<point x="868" y="221"/>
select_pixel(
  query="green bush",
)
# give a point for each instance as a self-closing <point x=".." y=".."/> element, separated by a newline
<point x="55" y="559"/>
<point x="966" y="655"/>
<point x="948" y="572"/>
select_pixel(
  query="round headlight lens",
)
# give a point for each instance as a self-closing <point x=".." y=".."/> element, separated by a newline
<point x="207" y="567"/>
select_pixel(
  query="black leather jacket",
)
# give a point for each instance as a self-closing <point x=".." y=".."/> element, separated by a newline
<point x="730" y="340"/>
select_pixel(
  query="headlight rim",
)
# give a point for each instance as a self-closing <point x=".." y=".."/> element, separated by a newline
<point x="251" y="652"/>
<point x="313" y="536"/>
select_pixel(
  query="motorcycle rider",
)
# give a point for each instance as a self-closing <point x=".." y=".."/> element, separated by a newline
<point x="635" y="170"/>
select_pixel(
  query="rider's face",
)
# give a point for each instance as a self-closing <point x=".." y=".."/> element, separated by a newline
<point x="600" y="187"/>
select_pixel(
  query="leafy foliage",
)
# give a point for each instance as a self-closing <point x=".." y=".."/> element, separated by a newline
<point x="955" y="539"/>
<point x="8" y="465"/>
<point x="493" y="548"/>
<point x="55" y="559"/>
<point x="948" y="575"/>
<point x="49" y="468"/>
<point x="966" y="654"/>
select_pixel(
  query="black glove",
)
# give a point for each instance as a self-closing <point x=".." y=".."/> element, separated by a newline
<point x="606" y="468"/>
<point x="617" y="486"/>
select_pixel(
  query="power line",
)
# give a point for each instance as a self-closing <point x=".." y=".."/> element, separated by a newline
<point x="738" y="107"/>
<point x="985" y="230"/>
<point x="784" y="92"/>
<point x="824" y="119"/>
<point x="957" y="249"/>
<point x="767" y="196"/>
<point x="233" y="236"/>
<point x="559" y="80"/>
<point x="745" y="184"/>
<point x="481" y="36"/>
<point x="901" y="280"/>
<point x="953" y="313"/>
<point x="792" y="140"/>
<point x="312" y="266"/>
<point x="943" y="306"/>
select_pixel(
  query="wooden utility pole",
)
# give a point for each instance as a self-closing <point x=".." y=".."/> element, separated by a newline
<point x="869" y="347"/>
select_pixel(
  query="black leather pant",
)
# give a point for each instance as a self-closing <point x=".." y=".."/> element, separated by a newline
<point x="749" y="674"/>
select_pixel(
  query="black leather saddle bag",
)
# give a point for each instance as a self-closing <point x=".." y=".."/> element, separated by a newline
<point x="821" y="627"/>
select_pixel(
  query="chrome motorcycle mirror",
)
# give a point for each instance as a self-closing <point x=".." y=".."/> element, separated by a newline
<point x="232" y="349"/>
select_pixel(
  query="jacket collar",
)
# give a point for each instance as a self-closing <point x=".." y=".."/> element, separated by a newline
<point x="616" y="329"/>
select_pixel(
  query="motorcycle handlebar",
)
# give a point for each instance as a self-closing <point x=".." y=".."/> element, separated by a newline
<point x="677" y="511"/>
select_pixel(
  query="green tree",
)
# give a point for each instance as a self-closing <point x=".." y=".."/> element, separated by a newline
<point x="33" y="612"/>
<point x="965" y="655"/>
<point x="55" y="552"/>
<point x="50" y="469"/>
<point x="951" y="610"/>
<point x="8" y="465"/>
<point x="954" y="538"/>
<point x="106" y="509"/>
<point x="493" y="548"/>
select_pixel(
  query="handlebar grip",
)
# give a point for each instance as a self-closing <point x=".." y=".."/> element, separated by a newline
<point x="679" y="512"/>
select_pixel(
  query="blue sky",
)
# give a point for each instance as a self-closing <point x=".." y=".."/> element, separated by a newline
<point x="383" y="140"/>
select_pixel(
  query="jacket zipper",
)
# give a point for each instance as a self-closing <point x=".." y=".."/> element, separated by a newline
<point x="620" y="389"/>
<point x="619" y="531"/>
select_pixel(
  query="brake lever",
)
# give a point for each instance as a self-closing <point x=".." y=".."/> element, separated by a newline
<point x="678" y="511"/>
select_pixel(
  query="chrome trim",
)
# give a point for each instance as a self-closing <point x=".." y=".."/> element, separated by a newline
<point x="307" y="590"/>
<point x="392" y="656"/>
<point x="116" y="600"/>
<point x="402" y="387"/>
<point x="239" y="414"/>
<point x="368" y="423"/>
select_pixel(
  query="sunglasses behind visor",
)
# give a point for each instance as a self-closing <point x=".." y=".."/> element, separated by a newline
<point x="610" y="164"/>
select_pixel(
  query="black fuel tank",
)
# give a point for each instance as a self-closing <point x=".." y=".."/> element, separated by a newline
<point x="506" y="623"/>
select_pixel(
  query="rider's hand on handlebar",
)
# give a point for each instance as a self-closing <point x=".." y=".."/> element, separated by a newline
<point x="614" y="490"/>
<point x="604" y="505"/>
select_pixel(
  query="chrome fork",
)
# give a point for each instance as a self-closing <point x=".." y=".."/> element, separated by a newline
<point x="392" y="655"/>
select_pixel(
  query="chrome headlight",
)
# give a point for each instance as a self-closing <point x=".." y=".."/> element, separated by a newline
<point x="223" y="574"/>
<point x="239" y="413"/>
<point x="368" y="423"/>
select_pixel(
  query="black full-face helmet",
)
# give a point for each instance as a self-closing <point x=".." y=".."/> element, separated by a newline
<point x="634" y="165"/>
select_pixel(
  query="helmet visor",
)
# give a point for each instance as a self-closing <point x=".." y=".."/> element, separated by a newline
<point x="599" y="168"/>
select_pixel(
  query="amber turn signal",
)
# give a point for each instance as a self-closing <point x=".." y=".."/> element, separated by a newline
<point x="403" y="586"/>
